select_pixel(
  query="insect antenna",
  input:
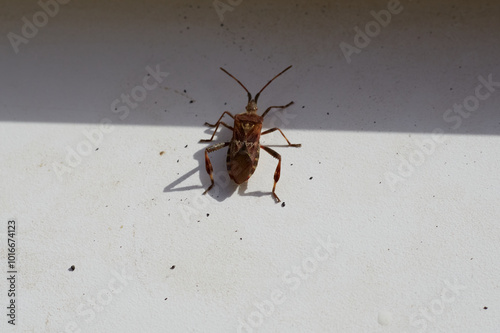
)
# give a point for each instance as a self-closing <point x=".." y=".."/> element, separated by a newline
<point x="241" y="84"/>
<point x="257" y="96"/>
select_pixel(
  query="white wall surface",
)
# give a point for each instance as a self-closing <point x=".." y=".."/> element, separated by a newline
<point x="387" y="226"/>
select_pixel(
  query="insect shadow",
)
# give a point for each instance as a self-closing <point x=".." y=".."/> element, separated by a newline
<point x="224" y="187"/>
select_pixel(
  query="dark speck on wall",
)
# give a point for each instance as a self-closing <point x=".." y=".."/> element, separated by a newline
<point x="173" y="266"/>
<point x="208" y="214"/>
<point x="283" y="204"/>
<point x="310" y="178"/>
<point x="72" y="268"/>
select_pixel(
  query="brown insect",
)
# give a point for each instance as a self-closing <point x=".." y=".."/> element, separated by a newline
<point x="244" y="147"/>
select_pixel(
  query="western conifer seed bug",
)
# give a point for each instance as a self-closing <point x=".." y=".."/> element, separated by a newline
<point x="244" y="147"/>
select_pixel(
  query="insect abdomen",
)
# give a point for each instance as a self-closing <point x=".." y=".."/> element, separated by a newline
<point x="241" y="165"/>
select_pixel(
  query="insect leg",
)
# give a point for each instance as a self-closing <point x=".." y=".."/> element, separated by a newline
<point x="215" y="131"/>
<point x="277" y="129"/>
<point x="208" y="164"/>
<point x="218" y="121"/>
<point x="276" y="107"/>
<point x="277" y="173"/>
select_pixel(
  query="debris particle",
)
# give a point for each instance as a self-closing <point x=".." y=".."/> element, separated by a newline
<point x="72" y="268"/>
<point x="208" y="214"/>
<point x="162" y="152"/>
<point x="185" y="146"/>
<point x="173" y="266"/>
<point x="310" y="178"/>
<point x="283" y="204"/>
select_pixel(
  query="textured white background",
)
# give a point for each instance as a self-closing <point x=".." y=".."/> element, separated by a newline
<point x="420" y="255"/>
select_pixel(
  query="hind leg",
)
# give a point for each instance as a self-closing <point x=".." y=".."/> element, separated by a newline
<point x="208" y="164"/>
<point x="277" y="172"/>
